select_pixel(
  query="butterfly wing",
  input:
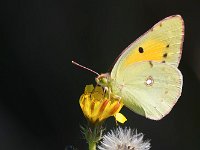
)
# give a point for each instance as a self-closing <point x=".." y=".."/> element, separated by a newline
<point x="162" y="43"/>
<point x="149" y="88"/>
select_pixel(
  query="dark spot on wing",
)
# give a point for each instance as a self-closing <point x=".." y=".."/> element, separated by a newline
<point x="150" y="62"/>
<point x="163" y="61"/>
<point x="167" y="46"/>
<point x="165" y="55"/>
<point x="141" y="50"/>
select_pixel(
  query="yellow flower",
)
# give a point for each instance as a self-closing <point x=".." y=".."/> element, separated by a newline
<point x="96" y="105"/>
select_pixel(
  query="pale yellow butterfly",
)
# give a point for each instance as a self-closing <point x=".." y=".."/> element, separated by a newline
<point x="145" y="76"/>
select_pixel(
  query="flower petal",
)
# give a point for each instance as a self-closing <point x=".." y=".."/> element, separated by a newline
<point x="120" y="118"/>
<point x="97" y="107"/>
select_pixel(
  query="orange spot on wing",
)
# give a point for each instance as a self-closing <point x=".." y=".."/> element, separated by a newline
<point x="153" y="50"/>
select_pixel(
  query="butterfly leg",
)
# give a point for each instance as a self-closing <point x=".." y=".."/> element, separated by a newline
<point x="110" y="94"/>
<point x="116" y="97"/>
<point x="105" y="89"/>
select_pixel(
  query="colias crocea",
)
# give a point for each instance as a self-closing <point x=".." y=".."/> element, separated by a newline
<point x="145" y="75"/>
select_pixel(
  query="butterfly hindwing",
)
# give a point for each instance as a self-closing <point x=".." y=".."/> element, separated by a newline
<point x="149" y="88"/>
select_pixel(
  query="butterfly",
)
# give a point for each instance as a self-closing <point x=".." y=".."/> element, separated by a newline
<point x="145" y="76"/>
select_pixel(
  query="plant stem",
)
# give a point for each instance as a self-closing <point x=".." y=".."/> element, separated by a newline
<point x="92" y="145"/>
<point x="93" y="134"/>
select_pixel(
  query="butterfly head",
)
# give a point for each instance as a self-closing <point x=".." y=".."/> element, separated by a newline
<point x="103" y="79"/>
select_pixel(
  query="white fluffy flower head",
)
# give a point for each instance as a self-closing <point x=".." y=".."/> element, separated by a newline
<point x="124" y="139"/>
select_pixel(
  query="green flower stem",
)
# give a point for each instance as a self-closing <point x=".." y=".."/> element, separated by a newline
<point x="92" y="133"/>
<point x="92" y="146"/>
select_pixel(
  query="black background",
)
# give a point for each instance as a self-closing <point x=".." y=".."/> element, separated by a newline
<point x="40" y="88"/>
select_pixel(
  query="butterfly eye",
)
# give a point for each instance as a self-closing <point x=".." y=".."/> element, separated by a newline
<point x="104" y="80"/>
<point x="101" y="80"/>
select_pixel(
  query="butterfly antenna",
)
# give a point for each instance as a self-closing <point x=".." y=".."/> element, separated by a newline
<point x="75" y="63"/>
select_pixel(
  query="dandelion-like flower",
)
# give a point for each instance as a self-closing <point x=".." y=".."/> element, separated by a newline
<point x="98" y="106"/>
<point x="124" y="139"/>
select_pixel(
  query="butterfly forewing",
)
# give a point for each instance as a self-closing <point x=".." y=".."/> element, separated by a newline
<point x="162" y="43"/>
